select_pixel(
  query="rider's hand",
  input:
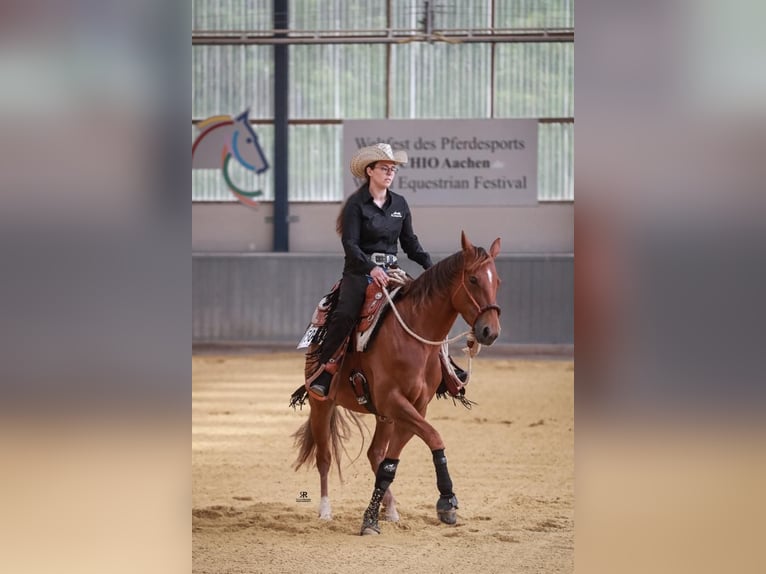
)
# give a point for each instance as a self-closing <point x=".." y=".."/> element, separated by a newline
<point x="379" y="276"/>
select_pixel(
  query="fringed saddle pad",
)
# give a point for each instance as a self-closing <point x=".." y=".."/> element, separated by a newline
<point x="317" y="328"/>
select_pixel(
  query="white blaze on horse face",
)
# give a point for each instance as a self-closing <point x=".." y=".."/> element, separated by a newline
<point x="489" y="274"/>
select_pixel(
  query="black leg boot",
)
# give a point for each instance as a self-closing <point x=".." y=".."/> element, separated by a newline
<point x="446" y="506"/>
<point x="383" y="479"/>
<point x="370" y="521"/>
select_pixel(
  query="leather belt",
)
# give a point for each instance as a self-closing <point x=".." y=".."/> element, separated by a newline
<point x="384" y="259"/>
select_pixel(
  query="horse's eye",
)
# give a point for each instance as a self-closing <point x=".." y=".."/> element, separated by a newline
<point x="473" y="279"/>
<point x="249" y="140"/>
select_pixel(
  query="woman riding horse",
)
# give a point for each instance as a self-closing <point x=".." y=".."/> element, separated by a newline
<point x="370" y="223"/>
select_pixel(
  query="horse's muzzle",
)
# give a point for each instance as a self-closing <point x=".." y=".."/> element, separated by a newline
<point x="487" y="328"/>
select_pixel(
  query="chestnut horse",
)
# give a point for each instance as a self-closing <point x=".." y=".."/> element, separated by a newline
<point x="403" y="374"/>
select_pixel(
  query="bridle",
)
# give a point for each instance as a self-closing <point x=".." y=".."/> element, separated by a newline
<point x="480" y="310"/>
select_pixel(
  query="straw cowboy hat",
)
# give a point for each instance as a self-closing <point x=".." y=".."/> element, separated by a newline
<point x="370" y="154"/>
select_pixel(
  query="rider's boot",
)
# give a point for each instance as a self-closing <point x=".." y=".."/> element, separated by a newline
<point x="321" y="385"/>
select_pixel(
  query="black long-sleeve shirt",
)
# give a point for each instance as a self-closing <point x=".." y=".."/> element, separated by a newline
<point x="369" y="229"/>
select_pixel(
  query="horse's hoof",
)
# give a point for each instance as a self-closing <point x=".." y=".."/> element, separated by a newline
<point x="370" y="530"/>
<point x="448" y="516"/>
<point x="446" y="510"/>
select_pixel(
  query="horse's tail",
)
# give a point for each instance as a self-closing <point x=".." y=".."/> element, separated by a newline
<point x="340" y="432"/>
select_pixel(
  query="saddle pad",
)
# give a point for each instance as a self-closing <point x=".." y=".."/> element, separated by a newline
<point x="320" y="317"/>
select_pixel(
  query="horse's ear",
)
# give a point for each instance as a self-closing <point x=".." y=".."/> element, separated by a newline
<point x="467" y="245"/>
<point x="495" y="249"/>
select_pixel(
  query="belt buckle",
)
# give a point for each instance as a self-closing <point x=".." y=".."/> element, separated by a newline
<point x="385" y="259"/>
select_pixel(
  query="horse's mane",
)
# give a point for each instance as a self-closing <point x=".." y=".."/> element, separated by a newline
<point x="438" y="279"/>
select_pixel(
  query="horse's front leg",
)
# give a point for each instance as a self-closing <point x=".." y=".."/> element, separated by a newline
<point x="446" y="506"/>
<point x="409" y="419"/>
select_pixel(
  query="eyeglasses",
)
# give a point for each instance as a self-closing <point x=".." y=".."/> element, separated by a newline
<point x="388" y="170"/>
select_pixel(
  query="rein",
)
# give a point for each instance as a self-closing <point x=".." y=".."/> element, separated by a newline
<point x="472" y="347"/>
<point x="467" y="334"/>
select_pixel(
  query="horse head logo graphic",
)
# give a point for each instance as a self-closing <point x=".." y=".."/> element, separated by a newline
<point x="222" y="138"/>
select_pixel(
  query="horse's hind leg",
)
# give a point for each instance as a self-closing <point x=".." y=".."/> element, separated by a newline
<point x="376" y="453"/>
<point x="320" y="428"/>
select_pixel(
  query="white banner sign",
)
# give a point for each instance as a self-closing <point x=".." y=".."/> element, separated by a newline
<point x="454" y="162"/>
